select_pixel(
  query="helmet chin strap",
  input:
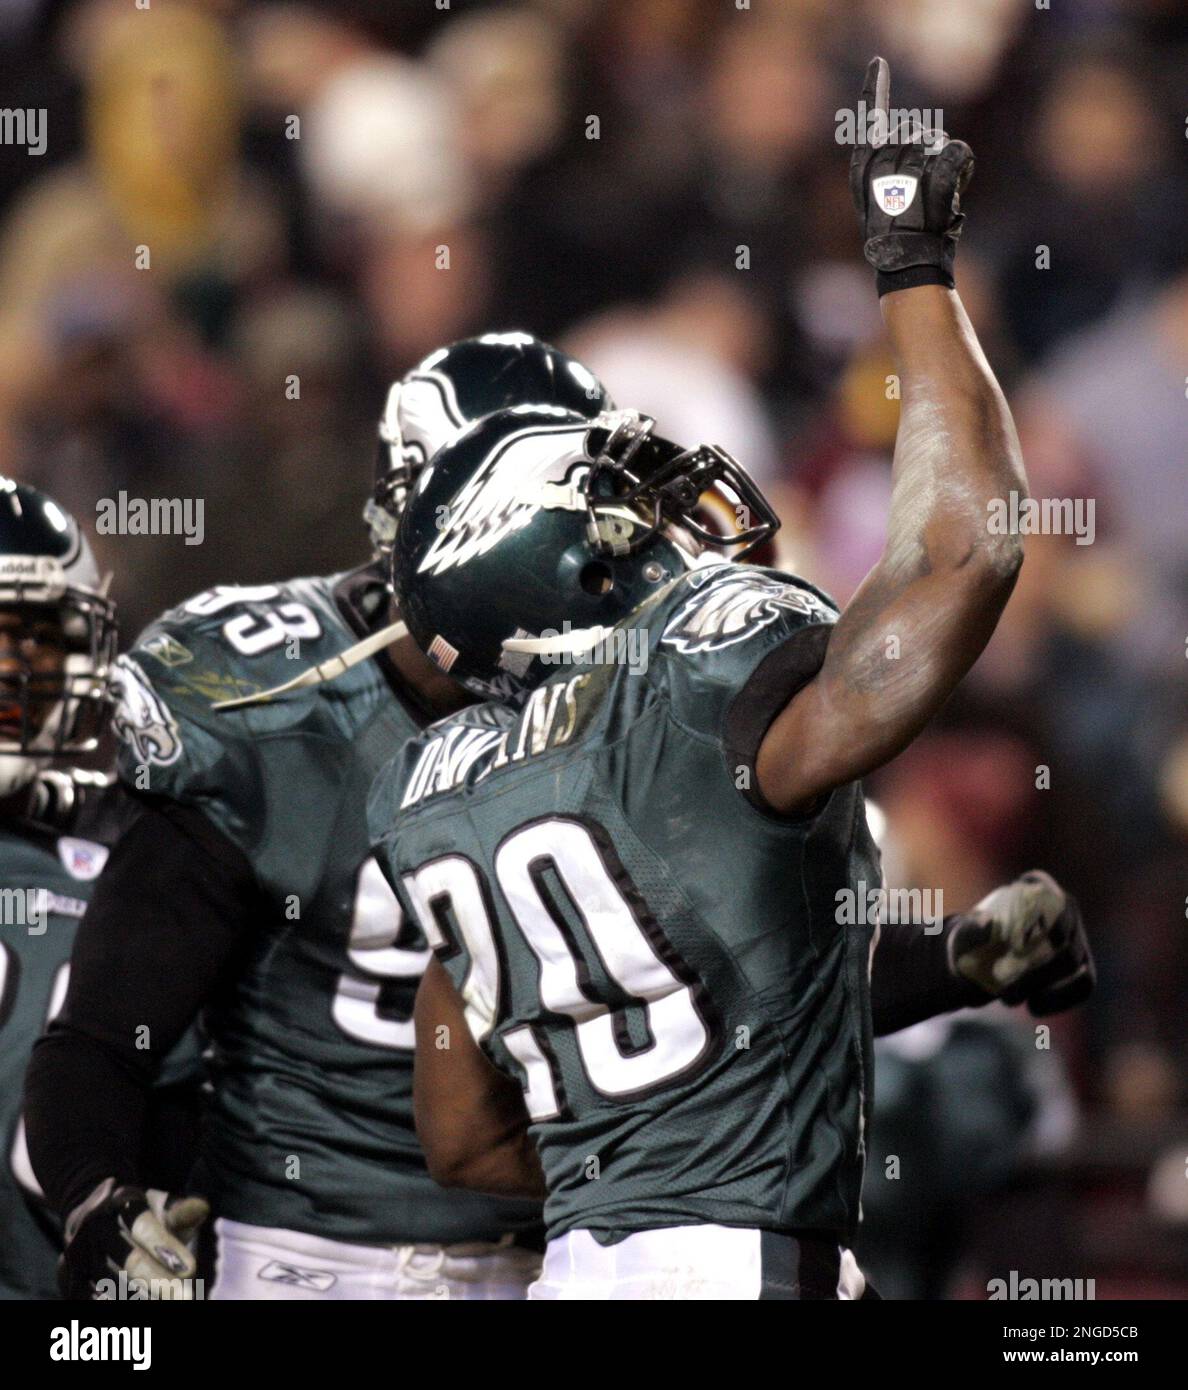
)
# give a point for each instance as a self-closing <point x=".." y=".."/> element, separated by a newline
<point x="564" y="644"/>
<point x="582" y="639"/>
<point x="327" y="670"/>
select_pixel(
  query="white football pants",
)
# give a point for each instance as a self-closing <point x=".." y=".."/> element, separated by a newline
<point x="696" y="1262"/>
<point x="255" y="1262"/>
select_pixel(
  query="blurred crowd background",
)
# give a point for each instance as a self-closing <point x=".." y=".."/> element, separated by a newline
<point x="327" y="192"/>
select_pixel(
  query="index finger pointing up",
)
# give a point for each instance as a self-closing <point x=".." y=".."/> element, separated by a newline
<point x="876" y="95"/>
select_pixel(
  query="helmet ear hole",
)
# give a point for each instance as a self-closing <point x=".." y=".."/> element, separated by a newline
<point x="596" y="578"/>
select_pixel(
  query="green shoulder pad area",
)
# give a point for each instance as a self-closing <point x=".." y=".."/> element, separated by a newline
<point x="226" y="642"/>
<point x="714" y="628"/>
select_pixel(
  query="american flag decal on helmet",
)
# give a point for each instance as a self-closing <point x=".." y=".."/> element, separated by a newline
<point x="441" y="653"/>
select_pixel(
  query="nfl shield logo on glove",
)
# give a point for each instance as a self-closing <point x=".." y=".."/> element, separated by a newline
<point x="894" y="192"/>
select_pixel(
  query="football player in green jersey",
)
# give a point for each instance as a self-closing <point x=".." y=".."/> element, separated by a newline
<point x="57" y="643"/>
<point x="644" y="869"/>
<point x="255" y="899"/>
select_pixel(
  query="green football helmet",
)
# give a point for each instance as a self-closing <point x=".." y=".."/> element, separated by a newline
<point x="538" y="530"/>
<point x="445" y="394"/>
<point x="52" y="598"/>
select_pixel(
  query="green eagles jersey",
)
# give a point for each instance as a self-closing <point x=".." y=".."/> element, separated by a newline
<point x="310" y="1125"/>
<point x="659" y="959"/>
<point x="47" y="867"/>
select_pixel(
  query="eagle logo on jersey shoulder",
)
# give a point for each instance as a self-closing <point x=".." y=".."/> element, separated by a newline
<point x="505" y="494"/>
<point x="141" y="719"/>
<point x="737" y="607"/>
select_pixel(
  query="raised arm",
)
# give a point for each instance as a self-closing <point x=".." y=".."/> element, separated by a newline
<point x="921" y="617"/>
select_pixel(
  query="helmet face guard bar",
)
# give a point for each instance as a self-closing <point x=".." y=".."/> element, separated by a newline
<point x="634" y="468"/>
<point x="75" y="709"/>
<point x="383" y="507"/>
<point x="74" y="704"/>
<point x="397" y="465"/>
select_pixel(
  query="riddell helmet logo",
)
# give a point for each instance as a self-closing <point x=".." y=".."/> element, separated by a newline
<point x="39" y="567"/>
<point x="894" y="193"/>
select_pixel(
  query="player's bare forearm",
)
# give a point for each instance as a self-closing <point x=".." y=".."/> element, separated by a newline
<point x="956" y="437"/>
<point x="470" y="1118"/>
<point x="924" y="613"/>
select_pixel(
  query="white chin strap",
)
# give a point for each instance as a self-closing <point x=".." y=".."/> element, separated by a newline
<point x="564" y="644"/>
<point x="582" y="639"/>
<point x="328" y="670"/>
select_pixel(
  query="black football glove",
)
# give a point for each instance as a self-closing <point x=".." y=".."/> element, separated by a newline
<point x="1026" y="943"/>
<point x="145" y="1235"/>
<point x="907" y="190"/>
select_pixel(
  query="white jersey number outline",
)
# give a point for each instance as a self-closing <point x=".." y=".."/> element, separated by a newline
<point x="631" y="949"/>
<point x="375" y="925"/>
<point x="18" y="1155"/>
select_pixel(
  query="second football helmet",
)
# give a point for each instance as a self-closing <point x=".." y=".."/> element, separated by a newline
<point x="453" y="388"/>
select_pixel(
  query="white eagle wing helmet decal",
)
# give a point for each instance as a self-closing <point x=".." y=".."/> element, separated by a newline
<point x="422" y="413"/>
<point x="736" y="606"/>
<point x="141" y="720"/>
<point x="538" y="467"/>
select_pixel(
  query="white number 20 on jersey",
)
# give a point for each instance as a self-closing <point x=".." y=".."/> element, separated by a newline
<point x="632" y="952"/>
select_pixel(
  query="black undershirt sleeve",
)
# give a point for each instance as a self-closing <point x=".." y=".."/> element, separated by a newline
<point x="174" y="902"/>
<point x="784" y="671"/>
<point x="911" y="979"/>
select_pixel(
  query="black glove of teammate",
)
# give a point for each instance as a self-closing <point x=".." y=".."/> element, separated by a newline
<point x="907" y="189"/>
<point x="144" y="1235"/>
<point x="1026" y="943"/>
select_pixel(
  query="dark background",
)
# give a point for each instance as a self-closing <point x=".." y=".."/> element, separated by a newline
<point x="469" y="129"/>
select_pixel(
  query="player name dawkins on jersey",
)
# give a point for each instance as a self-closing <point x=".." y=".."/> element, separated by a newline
<point x="77" y="1343"/>
<point x="548" y="720"/>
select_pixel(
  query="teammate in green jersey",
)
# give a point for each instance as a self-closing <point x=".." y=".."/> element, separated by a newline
<point x="57" y="642"/>
<point x="270" y="916"/>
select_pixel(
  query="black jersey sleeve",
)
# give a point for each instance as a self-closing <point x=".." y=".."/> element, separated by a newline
<point x="911" y="978"/>
<point x="170" y="910"/>
<point x="737" y="643"/>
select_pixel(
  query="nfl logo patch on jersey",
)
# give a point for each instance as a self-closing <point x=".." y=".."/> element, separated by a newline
<point x="894" y="192"/>
<point x="83" y="858"/>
